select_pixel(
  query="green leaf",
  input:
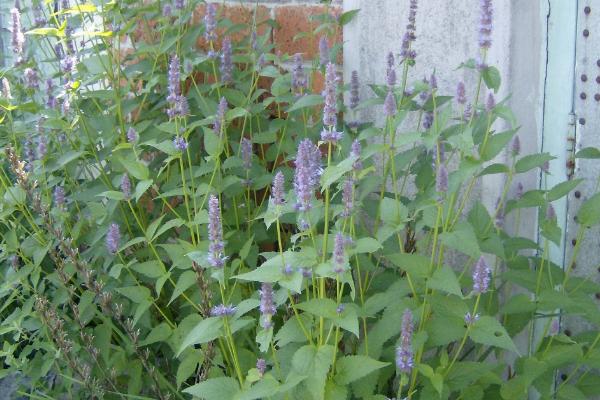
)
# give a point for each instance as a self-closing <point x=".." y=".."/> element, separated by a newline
<point x="495" y="144"/>
<point x="392" y="211"/>
<point x="488" y="331"/>
<point x="151" y="269"/>
<point x="348" y="16"/>
<point x="188" y="365"/>
<point x="313" y="364"/>
<point x="212" y="143"/>
<point x="309" y="100"/>
<point x="141" y="188"/>
<point x="492" y="79"/>
<point x="350" y="368"/>
<point x="531" y="161"/>
<point x="463" y="239"/>
<point x="208" y="329"/>
<point x="185" y="281"/>
<point x="137" y="294"/>
<point x="445" y="279"/>
<point x="319" y="307"/>
<point x="113" y="195"/>
<point x="562" y="189"/>
<point x="366" y="245"/>
<point x="588" y="152"/>
<point x="159" y="333"/>
<point x="135" y="168"/>
<point x="333" y="173"/>
<point x="589" y="213"/>
<point x="151" y="230"/>
<point x="416" y="265"/>
<point x="174" y="223"/>
<point x="215" y="389"/>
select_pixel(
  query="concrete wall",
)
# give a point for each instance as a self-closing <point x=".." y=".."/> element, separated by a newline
<point x="447" y="36"/>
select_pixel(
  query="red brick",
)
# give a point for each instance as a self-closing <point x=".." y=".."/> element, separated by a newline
<point x="295" y="19"/>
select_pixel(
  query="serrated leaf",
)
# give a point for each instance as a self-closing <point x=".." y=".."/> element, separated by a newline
<point x="215" y="389"/>
<point x="488" y="331"/>
<point x="309" y="100"/>
<point x="463" y="239"/>
<point x="588" y="152"/>
<point x="185" y="281"/>
<point x="206" y="330"/>
<point x="445" y="279"/>
<point x="589" y="213"/>
<point x="350" y="368"/>
<point x="531" y="161"/>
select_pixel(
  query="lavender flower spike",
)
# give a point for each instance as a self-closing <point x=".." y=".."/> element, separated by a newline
<point x="17" y="37"/>
<point x="441" y="179"/>
<point x="113" y="237"/>
<point x="339" y="258"/>
<point x="389" y="105"/>
<point x="31" y="78"/>
<point x="173" y="79"/>
<point x="226" y="66"/>
<point x="390" y="76"/>
<point x="261" y="366"/>
<point x="404" y="353"/>
<point x="126" y="187"/>
<point x="485" y="24"/>
<point x="246" y="154"/>
<point x="222" y="310"/>
<point x="220" y="117"/>
<point x="132" y="135"/>
<point x="550" y="212"/>
<point x="179" y="143"/>
<point x="490" y="103"/>
<point x="354" y="88"/>
<point x="6" y="89"/>
<point x="355" y="151"/>
<point x="323" y="51"/>
<point x="348" y="197"/>
<point x="215" y="234"/>
<point x="267" y="305"/>
<point x="516" y="146"/>
<point x="407" y="52"/>
<point x="277" y="192"/>
<point x="299" y="81"/>
<point x="307" y="173"/>
<point x="179" y="4"/>
<point x="461" y="97"/>
<point x="59" y="197"/>
<point x="210" y="22"/>
<point x="330" y="95"/>
<point x="481" y="276"/>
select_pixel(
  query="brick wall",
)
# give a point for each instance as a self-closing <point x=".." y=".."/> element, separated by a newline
<point x="292" y="17"/>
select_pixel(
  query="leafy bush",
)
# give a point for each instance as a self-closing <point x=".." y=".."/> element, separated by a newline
<point x="180" y="223"/>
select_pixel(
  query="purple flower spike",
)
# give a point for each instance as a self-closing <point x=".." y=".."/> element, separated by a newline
<point x="490" y="103"/>
<point x="428" y="120"/>
<point x="31" y="78"/>
<point x="113" y="237"/>
<point x="179" y="4"/>
<point x="267" y="305"/>
<point x="299" y="81"/>
<point x="220" y="117"/>
<point x="546" y="167"/>
<point x="471" y="319"/>
<point x="485" y="24"/>
<point x="210" y="22"/>
<point x="390" y="75"/>
<point x="339" y="259"/>
<point x="126" y="187"/>
<point x="404" y="353"/>
<point x="481" y="276"/>
<point x="42" y="147"/>
<point x="461" y="97"/>
<point x="277" y="192"/>
<point x="226" y="66"/>
<point x="340" y="309"/>
<point x="59" y="197"/>
<point x="17" y="37"/>
<point x="261" y="366"/>
<point x="288" y="270"/>
<point x="167" y="10"/>
<point x="348" y="197"/>
<point x="132" y="135"/>
<point x="323" y="51"/>
<point x="222" y="310"/>
<point x="179" y="143"/>
<point x="389" y="105"/>
<point x="247" y="154"/>
<point x="408" y="53"/>
<point x="519" y="192"/>
<point x="441" y="179"/>
<point x="306" y="272"/>
<point x="355" y="151"/>
<point x="499" y="213"/>
<point x="354" y="90"/>
<point x="216" y="247"/>
<point x="307" y="173"/>
<point x="6" y="94"/>
<point x="331" y="136"/>
<point x="51" y="102"/>
<point x="330" y="95"/>
<point x="468" y="113"/>
<point x="550" y="212"/>
<point x="174" y="79"/>
<point x="433" y="84"/>
<point x="516" y="146"/>
<point x="38" y="18"/>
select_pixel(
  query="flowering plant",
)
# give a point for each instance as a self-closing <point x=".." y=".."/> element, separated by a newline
<point x="180" y="224"/>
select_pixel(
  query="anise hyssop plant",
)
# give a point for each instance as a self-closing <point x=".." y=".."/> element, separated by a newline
<point x="186" y="213"/>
